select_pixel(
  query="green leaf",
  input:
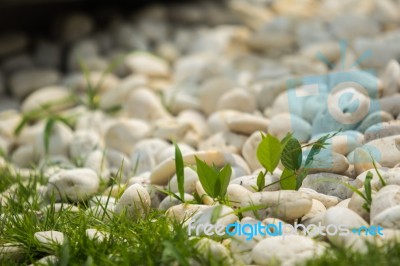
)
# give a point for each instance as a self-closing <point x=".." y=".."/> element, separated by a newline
<point x="179" y="166"/>
<point x="224" y="178"/>
<point x="300" y="177"/>
<point x="47" y="133"/>
<point x="291" y="154"/>
<point x="288" y="179"/>
<point x="378" y="173"/>
<point x="207" y="177"/>
<point x="261" y="181"/>
<point x="286" y="139"/>
<point x="170" y="193"/>
<point x="367" y="187"/>
<point x="216" y="213"/>
<point x="269" y="152"/>
<point x="21" y="125"/>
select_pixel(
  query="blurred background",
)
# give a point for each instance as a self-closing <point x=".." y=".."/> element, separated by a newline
<point x="55" y="34"/>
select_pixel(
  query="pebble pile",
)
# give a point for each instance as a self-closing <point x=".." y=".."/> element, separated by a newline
<point x="210" y="76"/>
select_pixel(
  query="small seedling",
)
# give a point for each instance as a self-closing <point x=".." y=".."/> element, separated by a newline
<point x="180" y="176"/>
<point x="214" y="181"/>
<point x="289" y="152"/>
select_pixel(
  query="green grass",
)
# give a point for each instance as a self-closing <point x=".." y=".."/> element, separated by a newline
<point x="376" y="256"/>
<point x="154" y="240"/>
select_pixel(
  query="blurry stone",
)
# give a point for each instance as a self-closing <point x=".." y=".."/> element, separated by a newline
<point x="52" y="99"/>
<point x="17" y="62"/>
<point x="211" y="91"/>
<point x="391" y="78"/>
<point x="247" y="124"/>
<point x="26" y="81"/>
<point x="237" y="99"/>
<point x="123" y="135"/>
<point x="144" y="104"/>
<point x="12" y="42"/>
<point x="74" y="185"/>
<point x="47" y="54"/>
<point x="74" y="26"/>
<point x="284" y="123"/>
<point x="147" y="64"/>
<point x="135" y="202"/>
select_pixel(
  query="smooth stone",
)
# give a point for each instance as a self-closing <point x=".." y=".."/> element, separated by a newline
<point x="218" y="121"/>
<point x="118" y="96"/>
<point x="316" y="208"/>
<point x="143" y="161"/>
<point x="170" y="129"/>
<point x="289" y="250"/>
<point x="24" y="156"/>
<point x="340" y="216"/>
<point x="155" y="147"/>
<point x="189" y="183"/>
<point x="389" y="218"/>
<point x="315" y="220"/>
<point x="83" y="143"/>
<point x="135" y="202"/>
<point x="164" y="171"/>
<point x="26" y="81"/>
<point x="184" y="211"/>
<point x="382" y="130"/>
<point x="209" y="247"/>
<point x="283" y="123"/>
<point x="286" y="205"/>
<point x="119" y="165"/>
<point x="123" y="134"/>
<point x="49" y="238"/>
<point x="59" y="141"/>
<point x="391" y="78"/>
<point x="250" y="182"/>
<point x="356" y="204"/>
<point x="95" y="121"/>
<point x="326" y="200"/>
<point x="52" y="99"/>
<point x="362" y="161"/>
<point x="374" y="118"/>
<point x="196" y="121"/>
<point x="224" y="141"/>
<point x="249" y="151"/>
<point x="75" y="185"/>
<point x="237" y="99"/>
<point x="96" y="235"/>
<point x="384" y="151"/>
<point x="328" y="184"/>
<point x="387" y="197"/>
<point x="144" y="104"/>
<point x="235" y="194"/>
<point x="217" y="214"/>
<point x="344" y="203"/>
<point x="390" y="104"/>
<point x="344" y="142"/>
<point x="12" y="252"/>
<point x="247" y="124"/>
<point x="97" y="161"/>
<point x="211" y="91"/>
<point x="169" y="152"/>
<point x="170" y="201"/>
<point x="327" y="161"/>
<point x="390" y="177"/>
<point x="205" y="198"/>
<point x="147" y="64"/>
